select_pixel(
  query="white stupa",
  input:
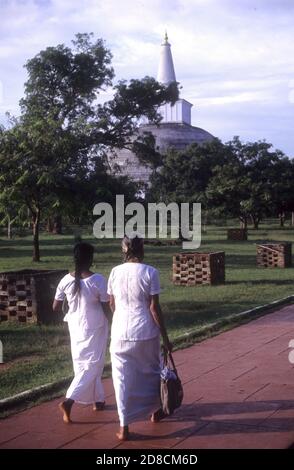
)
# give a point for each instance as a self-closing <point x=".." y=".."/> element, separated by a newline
<point x="175" y="129"/>
<point x="181" y="111"/>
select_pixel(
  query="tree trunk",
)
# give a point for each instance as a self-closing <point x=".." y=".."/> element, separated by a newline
<point x="36" y="228"/>
<point x="49" y="225"/>
<point x="57" y="225"/>
<point x="243" y="222"/>
<point x="282" y="219"/>
<point x="255" y="221"/>
<point x="256" y="224"/>
<point x="292" y="218"/>
<point x="204" y="223"/>
<point x="9" y="229"/>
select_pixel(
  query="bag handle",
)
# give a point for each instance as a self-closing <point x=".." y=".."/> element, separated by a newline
<point x="172" y="361"/>
<point x="167" y="356"/>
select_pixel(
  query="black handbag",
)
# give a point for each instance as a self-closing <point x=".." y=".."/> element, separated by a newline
<point x="171" y="389"/>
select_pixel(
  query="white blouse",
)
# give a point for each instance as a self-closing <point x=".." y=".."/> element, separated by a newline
<point x="132" y="284"/>
<point x="85" y="309"/>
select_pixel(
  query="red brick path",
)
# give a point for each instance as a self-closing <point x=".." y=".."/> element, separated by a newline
<point x="239" y="393"/>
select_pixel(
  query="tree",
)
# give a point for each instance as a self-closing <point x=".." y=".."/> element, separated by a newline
<point x="12" y="207"/>
<point x="184" y="175"/>
<point x="226" y="191"/>
<point x="282" y="189"/>
<point x="63" y="131"/>
<point x="251" y="184"/>
<point x="244" y="180"/>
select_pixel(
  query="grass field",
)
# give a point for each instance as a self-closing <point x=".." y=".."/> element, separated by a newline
<point x="35" y="355"/>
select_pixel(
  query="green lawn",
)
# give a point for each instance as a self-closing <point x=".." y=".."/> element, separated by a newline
<point x="35" y="355"/>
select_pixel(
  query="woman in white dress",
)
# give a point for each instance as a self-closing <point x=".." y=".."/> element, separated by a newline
<point x="135" y="337"/>
<point x="88" y="307"/>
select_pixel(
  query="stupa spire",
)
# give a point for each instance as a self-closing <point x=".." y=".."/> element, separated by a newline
<point x="166" y="72"/>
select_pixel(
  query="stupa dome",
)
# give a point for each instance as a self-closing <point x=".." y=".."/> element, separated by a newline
<point x="174" y="131"/>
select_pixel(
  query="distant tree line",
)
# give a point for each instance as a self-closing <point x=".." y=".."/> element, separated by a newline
<point x="248" y="181"/>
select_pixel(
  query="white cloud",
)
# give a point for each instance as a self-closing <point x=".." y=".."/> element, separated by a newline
<point x="230" y="56"/>
<point x="244" y="97"/>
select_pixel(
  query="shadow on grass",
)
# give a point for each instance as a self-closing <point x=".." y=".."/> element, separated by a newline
<point x="224" y="241"/>
<point x="239" y="260"/>
<point x="54" y="240"/>
<point x="188" y="314"/>
<point x="30" y="332"/>
<point x="275" y="282"/>
<point x="55" y="248"/>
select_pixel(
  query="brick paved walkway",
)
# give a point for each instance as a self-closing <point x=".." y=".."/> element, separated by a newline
<point x="239" y="393"/>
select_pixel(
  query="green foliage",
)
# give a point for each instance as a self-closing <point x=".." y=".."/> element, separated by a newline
<point x="243" y="180"/>
<point x="184" y="175"/>
<point x="61" y="140"/>
<point x="255" y="183"/>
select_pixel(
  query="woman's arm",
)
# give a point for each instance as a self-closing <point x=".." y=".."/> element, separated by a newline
<point x="112" y="303"/>
<point x="159" y="320"/>
<point x="107" y="310"/>
<point x="57" y="306"/>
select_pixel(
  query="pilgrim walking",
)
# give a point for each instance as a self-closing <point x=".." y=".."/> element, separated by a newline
<point x="88" y="307"/>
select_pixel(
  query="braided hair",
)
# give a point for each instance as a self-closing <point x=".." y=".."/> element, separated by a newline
<point x="133" y="248"/>
<point x="83" y="258"/>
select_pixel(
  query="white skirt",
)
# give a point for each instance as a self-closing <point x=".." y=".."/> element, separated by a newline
<point x="136" y="378"/>
<point x="88" y="355"/>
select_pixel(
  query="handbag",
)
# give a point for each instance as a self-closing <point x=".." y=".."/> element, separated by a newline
<point x="171" y="389"/>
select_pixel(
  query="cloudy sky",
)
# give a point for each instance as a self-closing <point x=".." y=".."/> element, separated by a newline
<point x="233" y="58"/>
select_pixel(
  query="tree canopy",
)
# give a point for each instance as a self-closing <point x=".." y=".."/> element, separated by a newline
<point x="243" y="180"/>
<point x="64" y="132"/>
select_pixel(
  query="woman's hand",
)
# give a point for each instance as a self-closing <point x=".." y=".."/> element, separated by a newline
<point x="167" y="344"/>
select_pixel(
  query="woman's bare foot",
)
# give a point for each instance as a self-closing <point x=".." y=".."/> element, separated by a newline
<point x="65" y="408"/>
<point x="99" y="406"/>
<point x="123" y="434"/>
<point x="158" y="416"/>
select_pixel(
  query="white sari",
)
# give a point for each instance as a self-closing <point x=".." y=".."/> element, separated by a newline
<point x="88" y="328"/>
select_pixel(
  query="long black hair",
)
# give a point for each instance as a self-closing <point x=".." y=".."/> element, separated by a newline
<point x="132" y="248"/>
<point x="83" y="258"/>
